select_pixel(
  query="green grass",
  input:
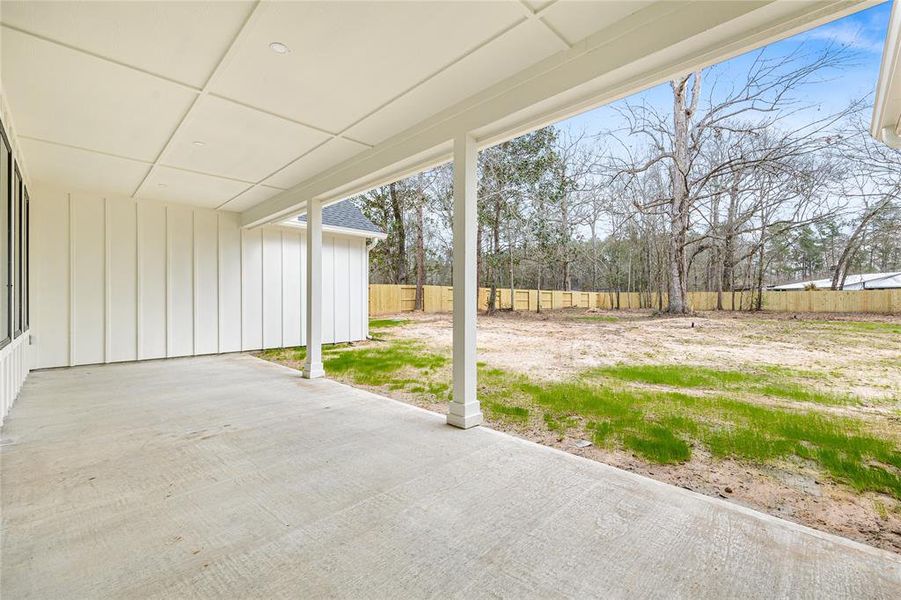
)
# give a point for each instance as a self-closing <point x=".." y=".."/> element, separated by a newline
<point x="375" y="324"/>
<point x="381" y="364"/>
<point x="859" y="326"/>
<point x="777" y="382"/>
<point x="662" y="426"/>
<point x="676" y="375"/>
<point x="560" y="424"/>
<point x="297" y="354"/>
<point x="506" y="411"/>
<point x="596" y="318"/>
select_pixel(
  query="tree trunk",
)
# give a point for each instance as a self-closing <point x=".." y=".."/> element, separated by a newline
<point x="400" y="249"/>
<point x="512" y="281"/>
<point x="479" y="262"/>
<point x="493" y="266"/>
<point x="680" y="204"/>
<point x="564" y="225"/>
<point x="420" y="257"/>
<point x="850" y="251"/>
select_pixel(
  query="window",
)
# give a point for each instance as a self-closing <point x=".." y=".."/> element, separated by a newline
<point x="22" y="262"/>
<point x="26" y="285"/>
<point x="14" y="245"/>
<point x="16" y="234"/>
<point x="5" y="242"/>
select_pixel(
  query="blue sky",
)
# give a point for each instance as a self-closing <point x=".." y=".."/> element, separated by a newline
<point x="863" y="33"/>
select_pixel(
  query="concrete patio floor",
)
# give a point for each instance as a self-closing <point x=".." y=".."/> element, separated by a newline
<point x="232" y="477"/>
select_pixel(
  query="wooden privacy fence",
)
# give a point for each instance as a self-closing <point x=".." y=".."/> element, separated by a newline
<point x="387" y="299"/>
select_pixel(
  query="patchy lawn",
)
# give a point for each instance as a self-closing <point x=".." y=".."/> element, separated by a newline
<point x="799" y="417"/>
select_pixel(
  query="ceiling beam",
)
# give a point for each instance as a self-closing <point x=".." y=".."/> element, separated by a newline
<point x="645" y="48"/>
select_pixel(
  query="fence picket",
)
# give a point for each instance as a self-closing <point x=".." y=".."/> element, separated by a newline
<point x="388" y="299"/>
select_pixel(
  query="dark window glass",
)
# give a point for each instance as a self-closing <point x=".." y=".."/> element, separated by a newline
<point x="17" y="250"/>
<point x="26" y="285"/>
<point x="5" y="207"/>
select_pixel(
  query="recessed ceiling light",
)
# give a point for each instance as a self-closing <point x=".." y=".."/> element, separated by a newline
<point x="279" y="48"/>
<point x="161" y="184"/>
<point x="199" y="143"/>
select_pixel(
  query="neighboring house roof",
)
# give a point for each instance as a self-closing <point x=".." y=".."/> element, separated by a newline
<point x="860" y="281"/>
<point x="891" y="281"/>
<point x="346" y="215"/>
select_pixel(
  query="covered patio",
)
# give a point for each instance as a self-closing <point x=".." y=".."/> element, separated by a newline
<point x="151" y="158"/>
<point x="231" y="477"/>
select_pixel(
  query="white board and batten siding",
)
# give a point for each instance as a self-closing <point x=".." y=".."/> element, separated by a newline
<point x="15" y="357"/>
<point x="13" y="371"/>
<point x="116" y="279"/>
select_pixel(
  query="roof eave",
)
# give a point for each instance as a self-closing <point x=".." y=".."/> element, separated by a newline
<point x="349" y="231"/>
<point x="886" y="123"/>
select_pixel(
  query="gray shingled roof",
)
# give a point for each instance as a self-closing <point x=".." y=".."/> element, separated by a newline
<point x="345" y="214"/>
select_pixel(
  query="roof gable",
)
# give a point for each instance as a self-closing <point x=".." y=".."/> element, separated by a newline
<point x="346" y="215"/>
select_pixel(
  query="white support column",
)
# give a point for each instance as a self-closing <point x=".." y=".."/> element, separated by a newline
<point x="464" y="410"/>
<point x="312" y="366"/>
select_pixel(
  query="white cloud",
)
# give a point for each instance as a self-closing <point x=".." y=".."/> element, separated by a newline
<point x="850" y="35"/>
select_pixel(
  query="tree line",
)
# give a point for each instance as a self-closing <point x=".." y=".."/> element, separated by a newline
<point x="737" y="184"/>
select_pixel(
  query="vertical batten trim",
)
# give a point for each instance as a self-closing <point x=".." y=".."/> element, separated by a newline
<point x="351" y="255"/>
<point x="241" y="290"/>
<point x="364" y="327"/>
<point x="139" y="287"/>
<point x="334" y="245"/>
<point x="281" y="286"/>
<point x="219" y="324"/>
<point x="303" y="284"/>
<point x="194" y="286"/>
<point x="168" y="284"/>
<point x="107" y="291"/>
<point x="262" y="289"/>
<point x="281" y="277"/>
<point x="71" y="291"/>
<point x="218" y="287"/>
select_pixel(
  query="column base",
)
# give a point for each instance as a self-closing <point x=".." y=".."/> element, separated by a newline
<point x="464" y="416"/>
<point x="313" y="371"/>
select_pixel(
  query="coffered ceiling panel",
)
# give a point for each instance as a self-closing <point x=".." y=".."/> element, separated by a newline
<point x="62" y="166"/>
<point x="223" y="138"/>
<point x="537" y="5"/>
<point x="577" y="20"/>
<point x="73" y="98"/>
<point x="347" y="59"/>
<point x="249" y="198"/>
<point x="522" y="46"/>
<point x="332" y="152"/>
<point x="184" y="187"/>
<point x="181" y="40"/>
<point x="105" y="95"/>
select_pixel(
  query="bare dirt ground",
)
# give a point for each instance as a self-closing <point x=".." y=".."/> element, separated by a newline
<point x="558" y="344"/>
<point x="851" y="358"/>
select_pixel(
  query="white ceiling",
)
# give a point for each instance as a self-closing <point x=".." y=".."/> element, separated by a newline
<point x="112" y="96"/>
<point x="186" y="102"/>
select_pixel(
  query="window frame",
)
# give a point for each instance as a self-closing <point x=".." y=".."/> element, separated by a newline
<point x="26" y="260"/>
<point x="16" y="276"/>
<point x="9" y="241"/>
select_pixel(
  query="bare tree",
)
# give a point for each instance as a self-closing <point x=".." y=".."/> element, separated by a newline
<point x="872" y="179"/>
<point x="762" y="102"/>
